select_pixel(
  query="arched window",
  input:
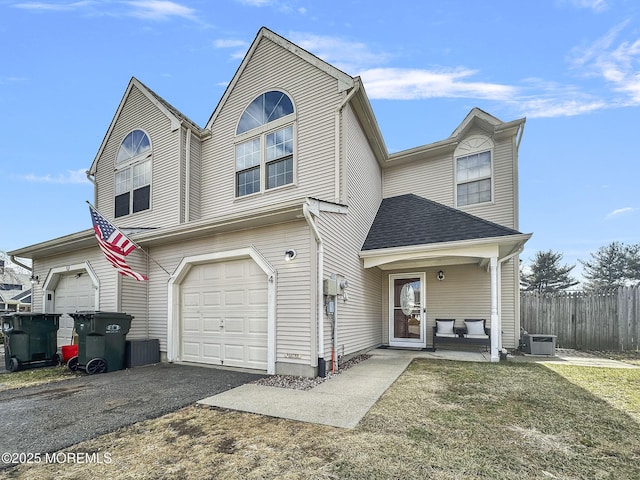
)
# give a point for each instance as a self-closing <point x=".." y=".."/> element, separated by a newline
<point x="266" y="108"/>
<point x="270" y="117"/>
<point x="133" y="174"/>
<point x="134" y="144"/>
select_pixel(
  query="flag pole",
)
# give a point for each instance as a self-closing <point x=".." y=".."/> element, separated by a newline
<point x="138" y="246"/>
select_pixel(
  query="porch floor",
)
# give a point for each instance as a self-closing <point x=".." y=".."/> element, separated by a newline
<point x="441" y="353"/>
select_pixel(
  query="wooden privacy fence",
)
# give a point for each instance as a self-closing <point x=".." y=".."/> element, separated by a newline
<point x="598" y="320"/>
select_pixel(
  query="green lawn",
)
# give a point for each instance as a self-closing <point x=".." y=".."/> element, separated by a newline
<point x="439" y="420"/>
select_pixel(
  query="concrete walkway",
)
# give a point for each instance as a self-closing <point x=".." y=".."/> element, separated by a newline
<point x="342" y="400"/>
<point x="357" y="389"/>
<point x="565" y="356"/>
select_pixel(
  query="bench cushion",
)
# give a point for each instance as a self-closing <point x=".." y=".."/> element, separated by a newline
<point x="445" y="328"/>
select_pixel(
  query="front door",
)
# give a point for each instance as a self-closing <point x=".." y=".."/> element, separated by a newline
<point x="407" y="310"/>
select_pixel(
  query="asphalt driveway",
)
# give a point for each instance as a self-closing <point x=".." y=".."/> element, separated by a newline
<point x="47" y="418"/>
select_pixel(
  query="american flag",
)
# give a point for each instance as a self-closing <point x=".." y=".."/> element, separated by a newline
<point x="114" y="244"/>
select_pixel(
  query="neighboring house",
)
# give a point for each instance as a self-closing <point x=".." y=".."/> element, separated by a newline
<point x="292" y="164"/>
<point x="15" y="291"/>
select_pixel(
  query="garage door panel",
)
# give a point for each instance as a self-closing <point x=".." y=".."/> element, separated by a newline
<point x="234" y="270"/>
<point x="234" y="325"/>
<point x="231" y="308"/>
<point x="191" y="350"/>
<point x="211" y="352"/>
<point x="210" y="271"/>
<point x="191" y="324"/>
<point x="234" y="298"/>
<point x="191" y="299"/>
<point x="211" y="299"/>
<point x="211" y="325"/>
<point x="256" y="326"/>
<point x="257" y="297"/>
<point x="257" y="354"/>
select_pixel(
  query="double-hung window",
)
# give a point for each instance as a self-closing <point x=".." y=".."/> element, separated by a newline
<point x="473" y="179"/>
<point x="265" y="143"/>
<point x="133" y="174"/>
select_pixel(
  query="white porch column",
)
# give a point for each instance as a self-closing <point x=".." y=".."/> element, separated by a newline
<point x="496" y="324"/>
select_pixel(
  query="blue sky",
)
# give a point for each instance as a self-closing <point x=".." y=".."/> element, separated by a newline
<point x="572" y="67"/>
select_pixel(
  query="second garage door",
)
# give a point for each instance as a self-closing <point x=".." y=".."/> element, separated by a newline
<point x="73" y="293"/>
<point x="224" y="314"/>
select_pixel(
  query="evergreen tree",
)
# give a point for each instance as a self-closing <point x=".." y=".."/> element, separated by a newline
<point x="547" y="275"/>
<point x="633" y="262"/>
<point x="611" y="266"/>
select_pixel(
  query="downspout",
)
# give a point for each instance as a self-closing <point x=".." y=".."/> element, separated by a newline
<point x="187" y="186"/>
<point x="344" y="102"/>
<point x="20" y="264"/>
<point x="92" y="178"/>
<point x="320" y="268"/>
<point x="520" y="137"/>
<point x="517" y="251"/>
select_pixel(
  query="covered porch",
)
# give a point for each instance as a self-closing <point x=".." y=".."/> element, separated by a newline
<point x="443" y="264"/>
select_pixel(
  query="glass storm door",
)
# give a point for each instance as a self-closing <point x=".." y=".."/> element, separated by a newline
<point x="407" y="309"/>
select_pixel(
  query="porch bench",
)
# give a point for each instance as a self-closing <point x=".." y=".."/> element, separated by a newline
<point x="445" y="331"/>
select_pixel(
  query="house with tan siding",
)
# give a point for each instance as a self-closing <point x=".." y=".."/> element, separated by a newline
<point x="283" y="236"/>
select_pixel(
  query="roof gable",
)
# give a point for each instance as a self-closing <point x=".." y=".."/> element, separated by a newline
<point x="344" y="81"/>
<point x="409" y="220"/>
<point x="173" y="114"/>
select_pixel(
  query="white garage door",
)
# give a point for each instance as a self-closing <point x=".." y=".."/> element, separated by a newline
<point x="224" y="314"/>
<point x="73" y="293"/>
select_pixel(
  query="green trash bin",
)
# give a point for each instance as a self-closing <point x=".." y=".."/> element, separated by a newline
<point x="101" y="341"/>
<point x="30" y="340"/>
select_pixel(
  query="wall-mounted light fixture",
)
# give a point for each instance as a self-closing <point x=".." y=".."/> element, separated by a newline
<point x="289" y="255"/>
<point x="440" y="275"/>
<point x="34" y="279"/>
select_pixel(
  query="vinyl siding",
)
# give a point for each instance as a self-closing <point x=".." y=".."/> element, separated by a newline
<point x="315" y="97"/>
<point x="195" y="180"/>
<point x="133" y="296"/>
<point x="464" y="293"/>
<point x="139" y="113"/>
<point x="434" y="178"/>
<point x="295" y="313"/>
<point x="358" y="318"/>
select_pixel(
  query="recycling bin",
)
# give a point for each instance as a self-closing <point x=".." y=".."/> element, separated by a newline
<point x="30" y="340"/>
<point x="101" y="341"/>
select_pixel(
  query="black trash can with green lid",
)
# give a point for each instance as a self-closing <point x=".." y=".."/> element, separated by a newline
<point x="30" y="340"/>
<point x="101" y="341"/>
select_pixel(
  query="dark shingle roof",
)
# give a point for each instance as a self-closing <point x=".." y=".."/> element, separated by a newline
<point x="412" y="220"/>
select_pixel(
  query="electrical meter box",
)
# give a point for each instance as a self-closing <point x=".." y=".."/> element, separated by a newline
<point x="330" y="287"/>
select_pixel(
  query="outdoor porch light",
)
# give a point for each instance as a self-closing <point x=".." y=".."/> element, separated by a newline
<point x="34" y="279"/>
<point x="289" y="255"/>
<point x="440" y="275"/>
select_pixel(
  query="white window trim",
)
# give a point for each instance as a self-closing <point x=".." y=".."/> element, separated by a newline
<point x="262" y="133"/>
<point x="128" y="165"/>
<point x="471" y="146"/>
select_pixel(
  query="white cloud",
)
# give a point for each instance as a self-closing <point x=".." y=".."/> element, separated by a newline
<point x="229" y="43"/>
<point x="160" y="10"/>
<point x="405" y="84"/>
<point x="255" y="3"/>
<point x="615" y="61"/>
<point x="595" y="5"/>
<point x="44" y="6"/>
<point x="70" y="177"/>
<point x="621" y="211"/>
<point x="346" y="55"/>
